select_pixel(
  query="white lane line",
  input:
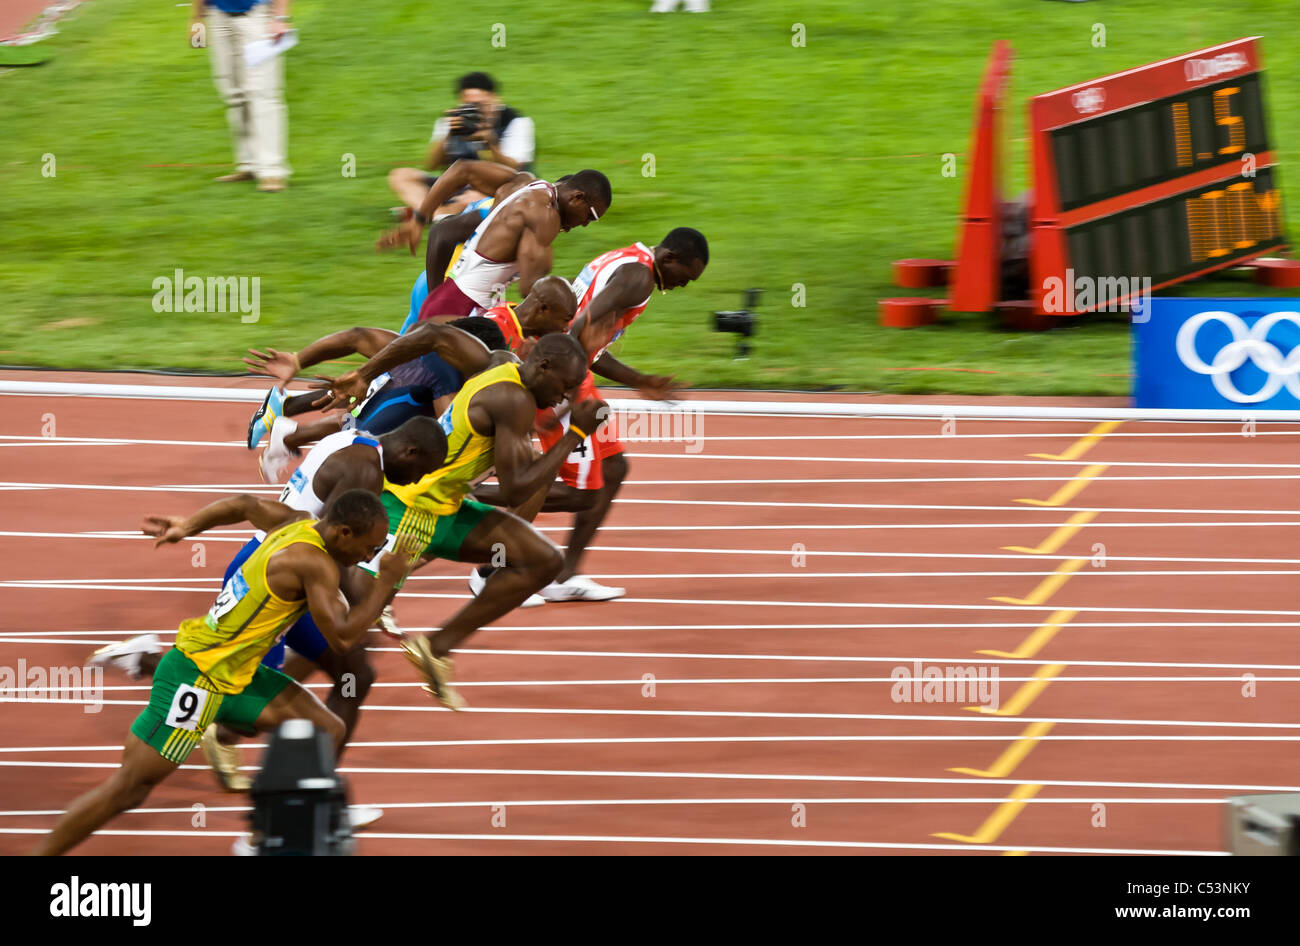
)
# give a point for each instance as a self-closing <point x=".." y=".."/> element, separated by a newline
<point x="702" y="740"/>
<point x="26" y="441"/>
<point x="823" y="481"/>
<point x="864" y="659"/>
<point x="22" y="440"/>
<point x="735" y="503"/>
<point x="726" y="776"/>
<point x="781" y="552"/>
<point x="725" y="503"/>
<point x="98" y="638"/>
<point x="730" y="503"/>
<point x="633" y="839"/>
<point x="728" y="602"/>
<point x="980" y="718"/>
<point x="818" y="481"/>
<point x="635" y="802"/>
<point x="260" y="488"/>
<point x="1015" y="435"/>
<point x="212" y="583"/>
<point x="976" y="556"/>
<point x="244" y="535"/>
<point x="106" y="534"/>
<point x="876" y="605"/>
<point x="782" y="626"/>
<point x="638" y="682"/>
<point x="960" y="661"/>
<point x="961" y="461"/>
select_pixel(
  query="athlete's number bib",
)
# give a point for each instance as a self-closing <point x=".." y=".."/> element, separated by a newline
<point x="579" y="454"/>
<point x="294" y="487"/>
<point x="230" y="596"/>
<point x="187" y="707"/>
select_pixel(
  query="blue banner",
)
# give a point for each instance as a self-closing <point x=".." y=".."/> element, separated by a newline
<point x="1218" y="353"/>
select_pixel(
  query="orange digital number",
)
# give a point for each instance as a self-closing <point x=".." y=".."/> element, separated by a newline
<point x="1223" y="116"/>
<point x="1182" y="135"/>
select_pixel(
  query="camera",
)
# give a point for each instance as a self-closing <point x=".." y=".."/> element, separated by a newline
<point x="741" y="322"/>
<point x="470" y="118"/>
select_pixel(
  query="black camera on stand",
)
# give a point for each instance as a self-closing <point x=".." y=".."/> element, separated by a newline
<point x="300" y="805"/>
<point x="742" y="322"/>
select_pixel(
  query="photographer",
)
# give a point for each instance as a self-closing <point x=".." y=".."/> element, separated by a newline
<point x="480" y="127"/>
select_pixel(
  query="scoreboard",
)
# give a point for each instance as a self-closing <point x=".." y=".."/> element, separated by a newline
<point x="1164" y="172"/>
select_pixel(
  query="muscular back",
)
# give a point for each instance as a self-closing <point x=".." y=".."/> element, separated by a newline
<point x="534" y="213"/>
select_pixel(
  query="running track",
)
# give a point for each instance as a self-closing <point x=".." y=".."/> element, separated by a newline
<point x="739" y="699"/>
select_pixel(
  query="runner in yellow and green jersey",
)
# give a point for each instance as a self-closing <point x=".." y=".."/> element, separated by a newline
<point x="215" y="672"/>
<point x="488" y="426"/>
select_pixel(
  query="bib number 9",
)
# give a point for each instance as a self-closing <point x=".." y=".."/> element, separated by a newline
<point x="187" y="707"/>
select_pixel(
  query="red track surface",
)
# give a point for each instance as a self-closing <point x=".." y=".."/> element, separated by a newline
<point x="895" y="569"/>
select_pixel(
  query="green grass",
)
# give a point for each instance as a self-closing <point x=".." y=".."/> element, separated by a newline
<point x="816" y="165"/>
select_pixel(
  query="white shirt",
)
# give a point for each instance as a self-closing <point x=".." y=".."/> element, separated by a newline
<point x="517" y="141"/>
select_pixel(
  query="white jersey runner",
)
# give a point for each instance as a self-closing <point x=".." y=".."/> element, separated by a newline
<point x="298" y="492"/>
<point x="482" y="279"/>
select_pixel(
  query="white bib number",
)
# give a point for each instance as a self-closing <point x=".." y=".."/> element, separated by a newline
<point x="372" y="566"/>
<point x="231" y="594"/>
<point x="187" y="707"/>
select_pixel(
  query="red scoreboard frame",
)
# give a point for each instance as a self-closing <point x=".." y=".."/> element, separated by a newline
<point x="1165" y="171"/>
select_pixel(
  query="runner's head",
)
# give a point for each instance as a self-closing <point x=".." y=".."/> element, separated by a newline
<point x="485" y="330"/>
<point x="680" y="258"/>
<point x="414" y="450"/>
<point x="583" y="197"/>
<point x="354" y="527"/>
<point x="548" y="308"/>
<point x="554" y="369"/>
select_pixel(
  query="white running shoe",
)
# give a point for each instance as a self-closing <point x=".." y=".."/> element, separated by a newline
<point x="387" y="623"/>
<point x="243" y="846"/>
<point x="578" y="588"/>
<point x="477" y="581"/>
<point x="362" y="815"/>
<point x="126" y="655"/>
<point x="277" y="459"/>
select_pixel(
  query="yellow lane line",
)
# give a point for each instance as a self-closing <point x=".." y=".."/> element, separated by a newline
<point x="1037" y="640"/>
<point x="997" y="822"/>
<point x="1049" y="585"/>
<point x="1013" y="755"/>
<point x="1070" y="489"/>
<point x="1059" y="537"/>
<point x="1028" y="692"/>
<point x="1083" y="444"/>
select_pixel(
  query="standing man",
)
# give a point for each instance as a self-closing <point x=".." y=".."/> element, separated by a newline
<point x="254" y="96"/>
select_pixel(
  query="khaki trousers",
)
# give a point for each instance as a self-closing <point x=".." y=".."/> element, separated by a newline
<point x="254" y="97"/>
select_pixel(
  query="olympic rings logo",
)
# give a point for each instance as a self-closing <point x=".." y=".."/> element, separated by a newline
<point x="1248" y="342"/>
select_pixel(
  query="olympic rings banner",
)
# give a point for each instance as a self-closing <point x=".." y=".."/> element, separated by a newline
<point x="1218" y="353"/>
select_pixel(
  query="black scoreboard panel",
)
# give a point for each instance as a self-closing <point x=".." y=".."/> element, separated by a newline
<point x="1180" y="235"/>
<point x="1162" y="140"/>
